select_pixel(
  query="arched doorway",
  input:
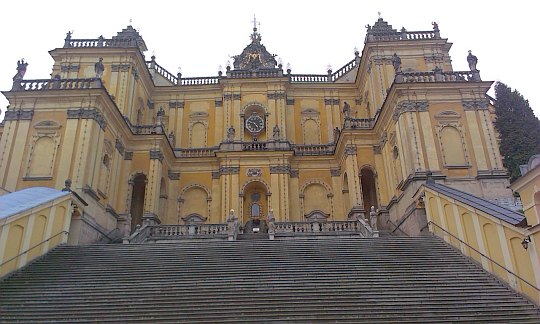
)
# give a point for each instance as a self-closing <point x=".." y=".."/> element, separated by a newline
<point x="255" y="207"/>
<point x="369" y="189"/>
<point x="137" y="200"/>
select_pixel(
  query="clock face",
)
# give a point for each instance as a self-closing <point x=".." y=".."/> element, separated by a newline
<point x="254" y="124"/>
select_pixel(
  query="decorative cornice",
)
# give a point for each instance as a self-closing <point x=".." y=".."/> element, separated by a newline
<point x="128" y="155"/>
<point x="156" y="155"/>
<point x="219" y="102"/>
<point x="335" y="172"/>
<point x="87" y="113"/>
<point x="294" y="173"/>
<point x="22" y="114"/>
<point x="409" y="106"/>
<point x="176" y="104"/>
<point x="173" y="175"/>
<point x="290" y="101"/>
<point x="229" y="170"/>
<point x="227" y="96"/>
<point x="119" y="146"/>
<point x="216" y="174"/>
<point x="350" y="150"/>
<point x="474" y="104"/>
<point x="280" y="169"/>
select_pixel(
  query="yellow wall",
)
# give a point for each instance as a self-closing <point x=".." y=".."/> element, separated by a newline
<point x="33" y="233"/>
<point x="498" y="240"/>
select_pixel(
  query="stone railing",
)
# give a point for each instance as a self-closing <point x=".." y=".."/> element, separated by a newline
<point x="438" y="76"/>
<point x="100" y="42"/>
<point x="153" y="233"/>
<point x="196" y="152"/>
<point x="321" y="149"/>
<point x="344" y="70"/>
<point x="325" y="228"/>
<point x="308" y="78"/>
<point x="359" y="123"/>
<point x="162" y="71"/>
<point x="243" y="74"/>
<point x="199" y="81"/>
<point x="402" y="35"/>
<point x="56" y="84"/>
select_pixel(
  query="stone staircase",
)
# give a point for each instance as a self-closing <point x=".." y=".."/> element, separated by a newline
<point x="338" y="280"/>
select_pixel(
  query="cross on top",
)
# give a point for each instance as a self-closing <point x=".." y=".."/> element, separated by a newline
<point x="254" y="21"/>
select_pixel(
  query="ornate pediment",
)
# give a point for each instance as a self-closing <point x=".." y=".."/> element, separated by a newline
<point x="316" y="215"/>
<point x="255" y="56"/>
<point x="194" y="219"/>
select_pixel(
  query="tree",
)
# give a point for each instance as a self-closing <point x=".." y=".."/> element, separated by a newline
<point x="518" y="127"/>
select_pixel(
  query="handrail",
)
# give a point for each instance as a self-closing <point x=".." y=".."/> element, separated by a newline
<point x="485" y="256"/>
<point x="28" y="250"/>
<point x="396" y="227"/>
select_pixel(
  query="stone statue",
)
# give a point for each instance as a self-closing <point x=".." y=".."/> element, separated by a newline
<point x="472" y="60"/>
<point x="231" y="217"/>
<point x="396" y="61"/>
<point x="230" y="134"/>
<point x="171" y="138"/>
<point x="373" y="218"/>
<point x="346" y="110"/>
<point x="99" y="68"/>
<point x="271" y="217"/>
<point x="275" y="134"/>
<point x="336" y="134"/>
<point x="21" y="70"/>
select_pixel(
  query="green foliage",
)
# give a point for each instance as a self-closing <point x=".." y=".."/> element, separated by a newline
<point x="518" y="127"/>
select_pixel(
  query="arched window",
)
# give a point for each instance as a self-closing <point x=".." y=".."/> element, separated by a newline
<point x="452" y="146"/>
<point x="311" y="132"/>
<point x="198" y="135"/>
<point x="42" y="157"/>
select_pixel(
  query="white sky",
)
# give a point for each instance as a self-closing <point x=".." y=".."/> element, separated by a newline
<point x="200" y="35"/>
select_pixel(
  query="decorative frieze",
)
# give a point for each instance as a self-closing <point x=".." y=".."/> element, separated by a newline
<point x="290" y="101"/>
<point x="87" y="113"/>
<point x="156" y="155"/>
<point x="236" y="96"/>
<point x="276" y="95"/>
<point x="350" y="150"/>
<point x="119" y="146"/>
<point x="409" y="106"/>
<point x="294" y="173"/>
<point x="70" y="67"/>
<point x="227" y="96"/>
<point x="22" y="114"/>
<point x="120" y="67"/>
<point x="280" y="169"/>
<point x="216" y="174"/>
<point x="173" y="175"/>
<point x="254" y="172"/>
<point x="330" y="101"/>
<point x="335" y="172"/>
<point x="229" y="170"/>
<point x="474" y="104"/>
<point x="128" y="155"/>
<point x="176" y="104"/>
<point x="219" y="102"/>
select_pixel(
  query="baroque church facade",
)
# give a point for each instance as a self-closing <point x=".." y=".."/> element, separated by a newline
<point x="139" y="144"/>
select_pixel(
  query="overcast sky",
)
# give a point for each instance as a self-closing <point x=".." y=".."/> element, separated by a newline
<point x="200" y="35"/>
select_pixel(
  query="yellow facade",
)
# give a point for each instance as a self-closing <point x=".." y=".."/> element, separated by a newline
<point x="27" y="233"/>
<point x="141" y="144"/>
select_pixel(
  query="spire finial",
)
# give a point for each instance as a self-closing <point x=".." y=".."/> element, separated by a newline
<point x="130" y="21"/>
<point x="379" y="13"/>
<point x="254" y="23"/>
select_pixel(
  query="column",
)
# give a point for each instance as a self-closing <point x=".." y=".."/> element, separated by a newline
<point x="353" y="176"/>
<point x="294" y="197"/>
<point x="151" y="199"/>
<point x="338" y="195"/>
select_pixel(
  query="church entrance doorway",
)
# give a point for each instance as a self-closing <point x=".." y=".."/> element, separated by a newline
<point x="255" y="208"/>
<point x="137" y="200"/>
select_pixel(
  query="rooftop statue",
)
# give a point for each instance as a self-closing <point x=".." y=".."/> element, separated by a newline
<point x="21" y="70"/>
<point x="472" y="60"/>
